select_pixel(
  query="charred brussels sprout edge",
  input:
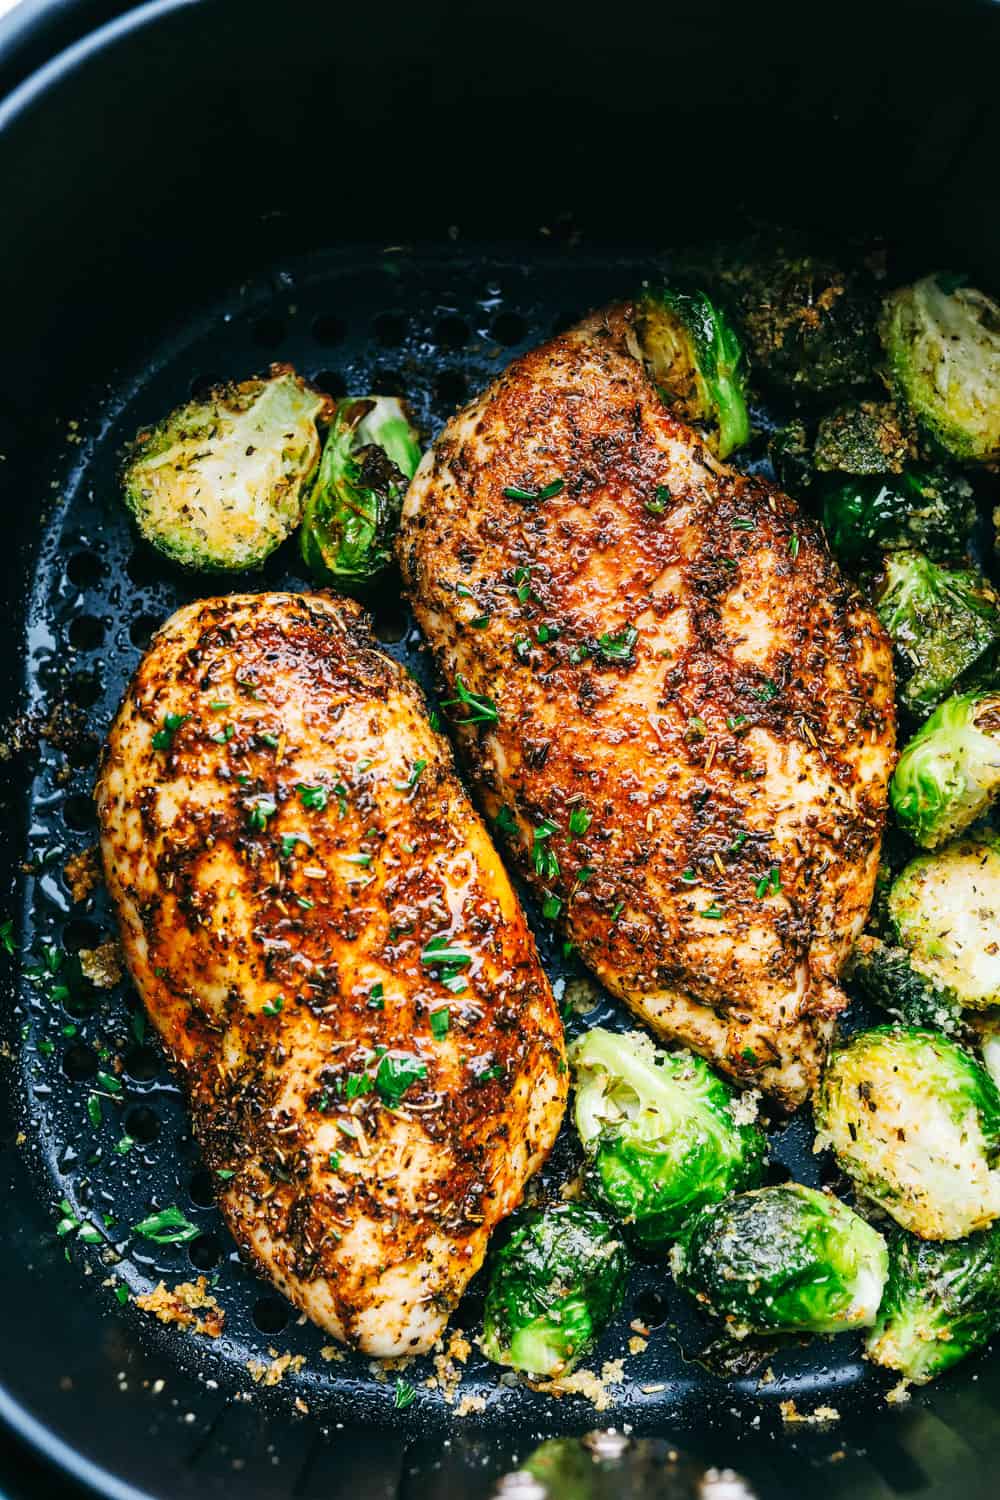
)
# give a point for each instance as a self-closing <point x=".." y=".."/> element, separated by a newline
<point x="941" y="621"/>
<point x="694" y="356"/>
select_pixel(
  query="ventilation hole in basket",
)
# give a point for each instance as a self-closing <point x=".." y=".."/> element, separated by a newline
<point x="565" y="320"/>
<point x="84" y="688"/>
<point x="328" y="329"/>
<point x="86" y="632"/>
<point x="145" y="568"/>
<point x="79" y="1062"/>
<point x="79" y="813"/>
<point x="268" y="332"/>
<point x="391" y="621"/>
<point x="451" y="333"/>
<point x="142" y="1064"/>
<point x="331" y="383"/>
<point x="777" y="1173"/>
<point x="652" y="1308"/>
<point x="205" y="1252"/>
<point x="389" y="329"/>
<point x="202" y="1189"/>
<point x="80" y="1005"/>
<point x="830" y="1174"/>
<point x="85" y="570"/>
<point x="201" y="385"/>
<point x="509" y="328"/>
<point x="270" y="1315"/>
<point x="142" y="1124"/>
<point x="78" y="934"/>
<point x="141" y="629"/>
<point x="451" y="388"/>
<point x="388" y="383"/>
<point x="83" y="752"/>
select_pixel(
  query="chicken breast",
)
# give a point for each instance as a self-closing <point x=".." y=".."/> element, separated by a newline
<point x="328" y="944"/>
<point x="668" y="697"/>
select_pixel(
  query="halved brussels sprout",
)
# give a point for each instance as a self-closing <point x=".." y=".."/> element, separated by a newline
<point x="915" y="1121"/>
<point x="945" y="908"/>
<point x="552" y="1288"/>
<point x="352" y="512"/>
<point x="949" y="772"/>
<point x="218" y="484"/>
<point x="783" y="1260"/>
<point x="941" y="1303"/>
<point x="694" y="356"/>
<point x="942" y="342"/>
<point x="930" y="509"/>
<point x="887" y="977"/>
<point x="660" y="1131"/>
<point x="942" y="621"/>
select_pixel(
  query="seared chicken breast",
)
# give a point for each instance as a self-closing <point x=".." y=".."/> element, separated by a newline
<point x="332" y="953"/>
<point x="677" y="710"/>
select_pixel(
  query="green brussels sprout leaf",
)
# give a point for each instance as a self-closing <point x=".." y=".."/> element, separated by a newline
<point x="694" y="356"/>
<point x="949" y="772"/>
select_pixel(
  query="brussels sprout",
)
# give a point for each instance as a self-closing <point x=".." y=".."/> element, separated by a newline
<point x="945" y="908"/>
<point x="887" y="977"/>
<point x="942" y="621"/>
<point x="219" y="483"/>
<point x="353" y="509"/>
<point x="783" y="1260"/>
<point x="949" y="772"/>
<point x="660" y="1131"/>
<point x="941" y="1303"/>
<point x="986" y="1029"/>
<point x="942" y="343"/>
<point x="924" y="508"/>
<point x="809" y="325"/>
<point x="915" y="1121"/>
<point x="553" y="1286"/>
<point x="864" y="437"/>
<point x="696" y="359"/>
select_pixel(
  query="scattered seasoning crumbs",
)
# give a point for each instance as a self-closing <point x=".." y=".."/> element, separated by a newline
<point x="636" y="1345"/>
<point x="469" y="1404"/>
<point x="83" y="875"/>
<point x="899" y="1394"/>
<point x="274" y="1373"/>
<point x="182" y="1304"/>
<point x="102" y="965"/>
<point x="823" y="1414"/>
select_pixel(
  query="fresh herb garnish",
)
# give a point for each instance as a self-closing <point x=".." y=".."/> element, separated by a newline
<point x="259" y="813"/>
<point x="109" y="1081"/>
<point x="164" y="738"/>
<point x="506" y="822"/>
<point x="618" y="647"/>
<point x="334" y="1161"/>
<point x="580" y="820"/>
<point x="7" y="935"/>
<point x="396" y="1072"/>
<point x="313" y="798"/>
<point x="738" y="842"/>
<point x="124" y="1145"/>
<point x="547" y="492"/>
<point x="274" y="1007"/>
<point x="224" y="735"/>
<point x="446" y="962"/>
<point x="167" y="1227"/>
<point x="356" y="1084"/>
<point x="744" y="523"/>
<point x="419" y="766"/>
<point x="405" y="1394"/>
<point x="551" y="907"/>
<point x="376" y="997"/>
<point x="661" y="500"/>
<point x="736" y="722"/>
<point x="714" y="911"/>
<point x="482" y="710"/>
<point x="793" y="546"/>
<point x="94" y="1110"/>
<point x="440" y="1023"/>
<point x="579" y="653"/>
<point x="545" y="861"/>
<point x="364" y="860"/>
<point x="546" y="633"/>
<point x="767" y="692"/>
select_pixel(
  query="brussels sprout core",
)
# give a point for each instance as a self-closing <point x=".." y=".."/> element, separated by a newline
<point x="915" y="1121"/>
<point x="219" y="483"/>
<point x="949" y="773"/>
<point x="942" y="342"/>
<point x="553" y="1286"/>
<point x="784" y="1259"/>
<point x="695" y="357"/>
<point x="660" y="1132"/>
<point x="353" y="509"/>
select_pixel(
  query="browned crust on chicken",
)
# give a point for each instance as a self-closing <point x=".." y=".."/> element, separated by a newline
<point x="749" y="728"/>
<point x="278" y="948"/>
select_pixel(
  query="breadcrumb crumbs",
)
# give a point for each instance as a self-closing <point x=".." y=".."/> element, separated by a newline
<point x="182" y="1305"/>
<point x="102" y="965"/>
<point x="83" y="873"/>
<point x="899" y="1394"/>
<point x="274" y="1373"/>
<point x="469" y="1404"/>
<point x="822" y="1414"/>
<point x="331" y="1352"/>
<point x="636" y="1345"/>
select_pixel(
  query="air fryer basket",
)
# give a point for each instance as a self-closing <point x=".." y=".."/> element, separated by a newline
<point x="397" y="204"/>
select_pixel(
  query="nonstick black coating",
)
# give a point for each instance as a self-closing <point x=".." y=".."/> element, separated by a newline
<point x="150" y="252"/>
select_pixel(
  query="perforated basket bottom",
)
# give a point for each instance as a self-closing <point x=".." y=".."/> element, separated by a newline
<point x="434" y="329"/>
